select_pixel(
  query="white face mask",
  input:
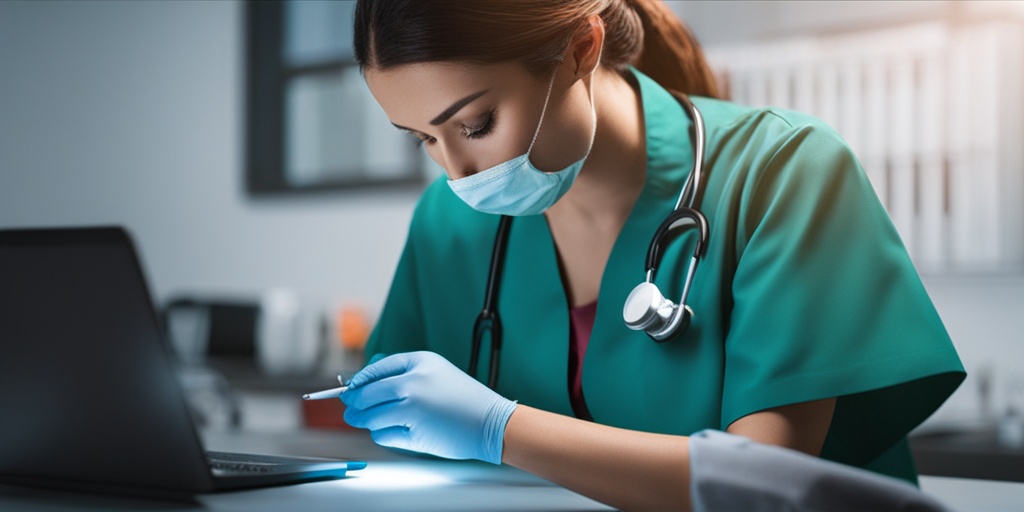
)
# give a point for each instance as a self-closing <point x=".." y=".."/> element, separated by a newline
<point x="518" y="188"/>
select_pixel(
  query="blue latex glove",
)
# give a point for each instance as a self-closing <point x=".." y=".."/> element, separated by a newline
<point x="419" y="401"/>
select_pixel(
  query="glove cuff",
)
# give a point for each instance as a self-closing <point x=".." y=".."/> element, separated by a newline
<point x="495" y="421"/>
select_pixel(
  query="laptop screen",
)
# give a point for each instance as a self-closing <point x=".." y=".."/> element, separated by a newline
<point x="87" y="390"/>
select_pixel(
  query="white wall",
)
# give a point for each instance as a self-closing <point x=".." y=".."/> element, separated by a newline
<point x="131" y="113"/>
<point x="985" y="317"/>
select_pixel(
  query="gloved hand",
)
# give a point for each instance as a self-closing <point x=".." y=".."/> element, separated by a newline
<point x="419" y="401"/>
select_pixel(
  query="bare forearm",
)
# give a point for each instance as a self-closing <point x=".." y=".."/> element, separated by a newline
<point x="626" y="469"/>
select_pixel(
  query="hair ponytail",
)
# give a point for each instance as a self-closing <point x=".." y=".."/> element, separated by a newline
<point x="671" y="54"/>
<point x="644" y="33"/>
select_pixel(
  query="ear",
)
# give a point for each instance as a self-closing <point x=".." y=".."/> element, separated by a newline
<point x="585" y="47"/>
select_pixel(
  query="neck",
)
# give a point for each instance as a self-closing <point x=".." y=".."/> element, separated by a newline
<point x="613" y="175"/>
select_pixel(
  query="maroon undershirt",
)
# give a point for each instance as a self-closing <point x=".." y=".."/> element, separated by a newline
<point x="581" y="324"/>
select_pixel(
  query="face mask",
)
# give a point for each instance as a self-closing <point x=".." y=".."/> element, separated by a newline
<point x="518" y="188"/>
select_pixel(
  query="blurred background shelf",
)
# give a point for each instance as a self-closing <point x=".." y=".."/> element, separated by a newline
<point x="974" y="452"/>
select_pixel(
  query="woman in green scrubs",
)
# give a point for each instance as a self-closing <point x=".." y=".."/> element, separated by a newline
<point x="811" y="329"/>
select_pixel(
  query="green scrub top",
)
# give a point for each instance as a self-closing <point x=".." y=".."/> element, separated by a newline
<point x="806" y="292"/>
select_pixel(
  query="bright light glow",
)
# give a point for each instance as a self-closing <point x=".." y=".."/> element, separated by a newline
<point x="384" y="475"/>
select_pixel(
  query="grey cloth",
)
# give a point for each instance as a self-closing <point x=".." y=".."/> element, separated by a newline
<point x="729" y="472"/>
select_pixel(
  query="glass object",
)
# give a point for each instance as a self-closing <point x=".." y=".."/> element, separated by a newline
<point x="289" y="334"/>
<point x="1010" y="430"/>
<point x="188" y="329"/>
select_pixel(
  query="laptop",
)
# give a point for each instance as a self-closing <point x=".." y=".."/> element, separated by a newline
<point x="89" y="398"/>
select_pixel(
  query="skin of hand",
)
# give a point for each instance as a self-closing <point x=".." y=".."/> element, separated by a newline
<point x="633" y="470"/>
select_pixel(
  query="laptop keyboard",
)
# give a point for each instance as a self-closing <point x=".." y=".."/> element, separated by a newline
<point x="245" y="462"/>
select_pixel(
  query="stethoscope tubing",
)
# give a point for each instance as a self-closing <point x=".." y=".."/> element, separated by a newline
<point x="697" y="173"/>
<point x="488" y="319"/>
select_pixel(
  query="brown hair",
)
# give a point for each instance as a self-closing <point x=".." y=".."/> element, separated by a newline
<point x="641" y="33"/>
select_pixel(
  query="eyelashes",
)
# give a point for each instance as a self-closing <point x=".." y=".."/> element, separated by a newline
<point x="481" y="130"/>
<point x="469" y="131"/>
<point x="421" y="138"/>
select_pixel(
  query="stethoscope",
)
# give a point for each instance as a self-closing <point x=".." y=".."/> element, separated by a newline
<point x="646" y="309"/>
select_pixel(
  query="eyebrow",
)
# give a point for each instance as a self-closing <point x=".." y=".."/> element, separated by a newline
<point x="452" y="110"/>
<point x="400" y="127"/>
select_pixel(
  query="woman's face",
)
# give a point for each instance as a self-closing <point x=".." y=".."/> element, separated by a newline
<point x="471" y="117"/>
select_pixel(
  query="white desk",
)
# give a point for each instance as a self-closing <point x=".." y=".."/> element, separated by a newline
<point x="396" y="482"/>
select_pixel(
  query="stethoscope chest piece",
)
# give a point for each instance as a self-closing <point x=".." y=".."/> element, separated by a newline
<point x="646" y="309"/>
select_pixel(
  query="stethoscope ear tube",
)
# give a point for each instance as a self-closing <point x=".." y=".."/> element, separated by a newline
<point x="655" y="252"/>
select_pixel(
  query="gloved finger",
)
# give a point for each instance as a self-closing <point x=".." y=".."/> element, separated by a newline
<point x="356" y="417"/>
<point x="374" y="393"/>
<point x="393" y="437"/>
<point x="378" y="417"/>
<point x="386" y="367"/>
<point x="345" y="378"/>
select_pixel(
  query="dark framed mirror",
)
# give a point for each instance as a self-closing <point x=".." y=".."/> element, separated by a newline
<point x="311" y="123"/>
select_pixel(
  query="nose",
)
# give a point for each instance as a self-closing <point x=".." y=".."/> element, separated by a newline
<point x="456" y="164"/>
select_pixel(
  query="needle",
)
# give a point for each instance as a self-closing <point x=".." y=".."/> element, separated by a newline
<point x="325" y="394"/>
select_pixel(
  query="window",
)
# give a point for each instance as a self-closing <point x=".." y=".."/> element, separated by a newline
<point x="312" y="124"/>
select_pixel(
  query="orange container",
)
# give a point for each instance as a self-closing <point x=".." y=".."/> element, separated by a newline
<point x="324" y="414"/>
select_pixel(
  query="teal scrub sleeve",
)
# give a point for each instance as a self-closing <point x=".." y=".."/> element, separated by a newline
<point x="827" y="302"/>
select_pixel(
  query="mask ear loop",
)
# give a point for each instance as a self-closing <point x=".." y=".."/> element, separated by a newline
<point x="547" y="98"/>
<point x="536" y="132"/>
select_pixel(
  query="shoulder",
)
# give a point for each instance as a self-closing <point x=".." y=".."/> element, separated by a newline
<point x="777" y="167"/>
<point x="769" y="127"/>
<point x="766" y="150"/>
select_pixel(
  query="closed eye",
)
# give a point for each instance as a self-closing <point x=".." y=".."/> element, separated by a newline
<point x="470" y="131"/>
<point x="481" y="129"/>
<point x="420" y="137"/>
